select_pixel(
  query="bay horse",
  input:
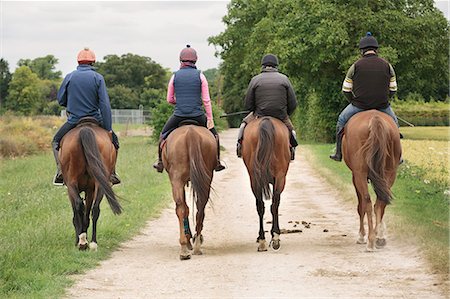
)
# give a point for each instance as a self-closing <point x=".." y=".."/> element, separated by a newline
<point x="266" y="154"/>
<point x="372" y="151"/>
<point x="87" y="158"/>
<point x="190" y="154"/>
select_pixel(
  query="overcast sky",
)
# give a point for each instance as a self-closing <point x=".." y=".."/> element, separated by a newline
<point x="156" y="29"/>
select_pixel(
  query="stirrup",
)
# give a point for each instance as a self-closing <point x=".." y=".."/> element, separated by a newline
<point x="58" y="180"/>
<point x="219" y="166"/>
<point x="114" y="179"/>
<point x="159" y="166"/>
<point x="336" y="157"/>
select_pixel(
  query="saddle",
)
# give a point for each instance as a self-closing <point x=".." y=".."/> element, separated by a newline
<point x="188" y="122"/>
<point x="88" y="120"/>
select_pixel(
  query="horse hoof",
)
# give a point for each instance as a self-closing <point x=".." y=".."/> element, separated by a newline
<point x="197" y="252"/>
<point x="275" y="244"/>
<point x="93" y="246"/>
<point x="380" y="243"/>
<point x="262" y="245"/>
<point x="185" y="257"/>
<point x="201" y="239"/>
<point x="83" y="247"/>
<point x="361" y="241"/>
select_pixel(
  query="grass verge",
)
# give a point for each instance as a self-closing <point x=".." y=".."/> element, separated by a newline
<point x="37" y="252"/>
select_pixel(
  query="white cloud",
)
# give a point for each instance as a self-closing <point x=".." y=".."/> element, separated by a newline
<point x="155" y="29"/>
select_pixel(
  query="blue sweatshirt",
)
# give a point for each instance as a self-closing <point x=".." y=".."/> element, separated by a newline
<point x="84" y="93"/>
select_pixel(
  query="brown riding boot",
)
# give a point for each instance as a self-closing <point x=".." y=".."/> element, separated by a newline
<point x="159" y="166"/>
<point x="219" y="165"/>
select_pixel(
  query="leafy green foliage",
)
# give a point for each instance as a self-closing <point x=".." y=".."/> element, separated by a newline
<point x="317" y="41"/>
<point x="44" y="67"/>
<point x="133" y="80"/>
<point x="5" y="78"/>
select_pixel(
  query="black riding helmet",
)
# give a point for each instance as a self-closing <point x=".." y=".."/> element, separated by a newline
<point x="368" y="42"/>
<point x="269" y="60"/>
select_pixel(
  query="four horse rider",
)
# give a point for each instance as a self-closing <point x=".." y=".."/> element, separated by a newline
<point x="187" y="89"/>
<point x="270" y="93"/>
<point x="369" y="84"/>
<point x="83" y="93"/>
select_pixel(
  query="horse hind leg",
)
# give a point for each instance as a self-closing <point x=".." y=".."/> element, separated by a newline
<point x="261" y="240"/>
<point x="198" y="238"/>
<point x="182" y="212"/>
<point x="78" y="213"/>
<point x="93" y="246"/>
<point x="275" y="242"/>
<point x="380" y="226"/>
<point x="361" y="187"/>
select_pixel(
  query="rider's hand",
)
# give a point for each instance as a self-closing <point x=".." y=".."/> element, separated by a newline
<point x="210" y="124"/>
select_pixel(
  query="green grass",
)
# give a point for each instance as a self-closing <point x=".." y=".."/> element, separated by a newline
<point x="420" y="211"/>
<point x="37" y="252"/>
<point x="426" y="133"/>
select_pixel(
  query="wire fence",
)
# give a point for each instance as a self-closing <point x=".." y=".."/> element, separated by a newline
<point x="124" y="116"/>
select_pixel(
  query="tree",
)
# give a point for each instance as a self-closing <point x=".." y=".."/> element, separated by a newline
<point x="25" y="93"/>
<point x="5" y="78"/>
<point x="44" y="67"/>
<point x="132" y="76"/>
<point x="316" y="42"/>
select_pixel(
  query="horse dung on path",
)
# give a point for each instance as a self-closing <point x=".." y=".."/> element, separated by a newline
<point x="189" y="154"/>
<point x="265" y="151"/>
<point x="372" y="151"/>
<point x="87" y="158"/>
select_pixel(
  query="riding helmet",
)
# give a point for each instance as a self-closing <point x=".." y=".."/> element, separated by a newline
<point x="86" y="56"/>
<point x="269" y="60"/>
<point x="188" y="54"/>
<point x="368" y="42"/>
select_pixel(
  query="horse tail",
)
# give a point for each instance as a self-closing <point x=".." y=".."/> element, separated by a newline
<point x="376" y="153"/>
<point x="95" y="167"/>
<point x="263" y="160"/>
<point x="199" y="173"/>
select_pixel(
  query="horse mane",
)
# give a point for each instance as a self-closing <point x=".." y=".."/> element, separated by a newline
<point x="263" y="160"/>
<point x="199" y="172"/>
<point x="376" y="151"/>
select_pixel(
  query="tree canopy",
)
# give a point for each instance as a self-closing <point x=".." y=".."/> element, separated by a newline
<point x="133" y="80"/>
<point x="317" y="41"/>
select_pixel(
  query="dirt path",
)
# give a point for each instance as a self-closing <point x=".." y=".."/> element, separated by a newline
<point x="310" y="264"/>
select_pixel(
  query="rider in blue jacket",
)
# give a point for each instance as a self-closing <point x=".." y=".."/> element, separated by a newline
<point x="83" y="93"/>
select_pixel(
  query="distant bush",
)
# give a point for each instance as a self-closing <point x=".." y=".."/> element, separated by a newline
<point x="420" y="113"/>
<point x="22" y="136"/>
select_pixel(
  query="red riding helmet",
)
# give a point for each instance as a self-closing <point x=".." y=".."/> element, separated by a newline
<point x="188" y="54"/>
<point x="86" y="56"/>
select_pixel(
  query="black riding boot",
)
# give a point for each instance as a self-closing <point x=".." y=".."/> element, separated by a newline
<point x="114" y="178"/>
<point x="159" y="166"/>
<point x="339" y="134"/>
<point x="219" y="165"/>
<point x="239" y="142"/>
<point x="58" y="179"/>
